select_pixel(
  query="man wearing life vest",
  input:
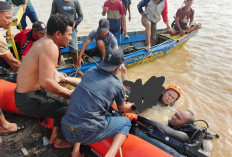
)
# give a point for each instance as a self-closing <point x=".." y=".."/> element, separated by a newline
<point x="38" y="92"/>
<point x="26" y="38"/>
<point x="6" y="15"/>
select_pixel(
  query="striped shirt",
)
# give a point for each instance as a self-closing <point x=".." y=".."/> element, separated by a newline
<point x="114" y="13"/>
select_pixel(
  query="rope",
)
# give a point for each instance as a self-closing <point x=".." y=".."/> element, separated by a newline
<point x="120" y="151"/>
<point x="84" y="54"/>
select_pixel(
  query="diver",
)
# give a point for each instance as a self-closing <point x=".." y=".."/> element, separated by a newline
<point x="181" y="133"/>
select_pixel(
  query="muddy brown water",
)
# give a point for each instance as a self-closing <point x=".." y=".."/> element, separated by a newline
<point x="202" y="67"/>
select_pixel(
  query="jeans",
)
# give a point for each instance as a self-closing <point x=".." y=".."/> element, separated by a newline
<point x="117" y="36"/>
<point x="115" y="125"/>
<point x="30" y="12"/>
<point x="74" y="47"/>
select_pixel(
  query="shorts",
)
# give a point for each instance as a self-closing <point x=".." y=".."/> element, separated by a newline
<point x="115" y="125"/>
<point x="41" y="103"/>
<point x="183" y="27"/>
<point x="176" y="29"/>
<point x="74" y="46"/>
<point x="153" y="27"/>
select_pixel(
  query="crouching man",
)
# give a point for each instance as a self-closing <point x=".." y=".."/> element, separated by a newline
<point x="36" y="84"/>
<point x="86" y="120"/>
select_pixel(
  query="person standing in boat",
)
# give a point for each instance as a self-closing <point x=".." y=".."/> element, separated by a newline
<point x="116" y="11"/>
<point x="72" y="10"/>
<point x="6" y="58"/>
<point x="104" y="39"/>
<point x="38" y="92"/>
<point x="25" y="39"/>
<point x="127" y="4"/>
<point x="86" y="120"/>
<point x="28" y="11"/>
<point x="151" y="16"/>
<point x="184" y="20"/>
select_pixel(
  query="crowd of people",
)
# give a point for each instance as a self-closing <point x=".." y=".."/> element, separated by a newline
<point x="85" y="118"/>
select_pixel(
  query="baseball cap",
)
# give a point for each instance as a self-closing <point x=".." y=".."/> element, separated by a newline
<point x="103" y="25"/>
<point x="39" y="26"/>
<point x="113" y="58"/>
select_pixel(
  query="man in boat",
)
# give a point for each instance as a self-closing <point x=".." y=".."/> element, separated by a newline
<point x="25" y="39"/>
<point x="86" y="120"/>
<point x="72" y="10"/>
<point x="127" y="4"/>
<point x="180" y="127"/>
<point x="184" y="20"/>
<point x="6" y="58"/>
<point x="36" y="84"/>
<point x="167" y="98"/>
<point x="151" y="16"/>
<point x="104" y="39"/>
<point x="116" y="15"/>
<point x="28" y="11"/>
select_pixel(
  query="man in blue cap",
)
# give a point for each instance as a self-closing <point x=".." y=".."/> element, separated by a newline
<point x="86" y="120"/>
<point x="104" y="39"/>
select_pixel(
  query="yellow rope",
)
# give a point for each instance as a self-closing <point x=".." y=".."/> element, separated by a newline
<point x="84" y="54"/>
<point x="120" y="151"/>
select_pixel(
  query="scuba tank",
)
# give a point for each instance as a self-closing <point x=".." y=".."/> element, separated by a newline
<point x="208" y="136"/>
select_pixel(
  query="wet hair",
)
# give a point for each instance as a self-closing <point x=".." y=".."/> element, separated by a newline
<point x="192" y="118"/>
<point x="58" y="23"/>
<point x="5" y="6"/>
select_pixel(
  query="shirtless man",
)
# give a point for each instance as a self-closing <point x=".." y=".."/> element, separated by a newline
<point x="184" y="20"/>
<point x="36" y="83"/>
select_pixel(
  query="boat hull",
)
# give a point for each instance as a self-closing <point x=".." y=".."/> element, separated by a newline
<point x="138" y="57"/>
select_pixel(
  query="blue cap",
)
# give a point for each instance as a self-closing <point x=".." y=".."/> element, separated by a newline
<point x="103" y="25"/>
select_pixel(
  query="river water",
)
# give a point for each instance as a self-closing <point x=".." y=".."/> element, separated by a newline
<point x="202" y="67"/>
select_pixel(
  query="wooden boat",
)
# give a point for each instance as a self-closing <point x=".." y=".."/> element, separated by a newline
<point x="133" y="49"/>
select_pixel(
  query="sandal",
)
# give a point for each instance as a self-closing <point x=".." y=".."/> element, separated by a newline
<point x="20" y="127"/>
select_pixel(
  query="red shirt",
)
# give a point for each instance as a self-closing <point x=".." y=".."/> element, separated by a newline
<point x="184" y="16"/>
<point x="25" y="39"/>
<point x="114" y="13"/>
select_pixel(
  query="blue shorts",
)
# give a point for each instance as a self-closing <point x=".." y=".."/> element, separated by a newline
<point x="115" y="125"/>
<point x="73" y="42"/>
<point x="117" y="35"/>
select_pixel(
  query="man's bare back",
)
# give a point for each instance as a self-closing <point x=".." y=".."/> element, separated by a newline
<point x="37" y="69"/>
